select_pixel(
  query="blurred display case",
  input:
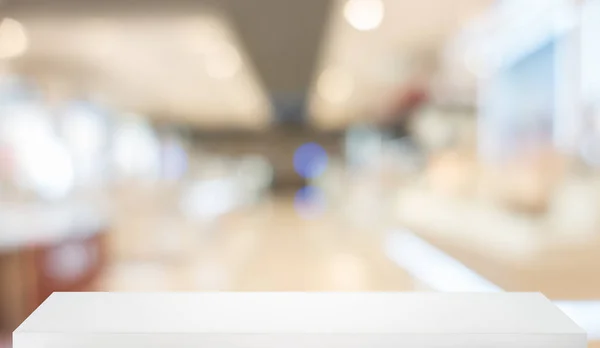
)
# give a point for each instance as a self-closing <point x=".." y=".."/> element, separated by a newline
<point x="515" y="209"/>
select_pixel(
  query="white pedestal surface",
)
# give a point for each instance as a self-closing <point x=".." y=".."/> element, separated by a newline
<point x="298" y="320"/>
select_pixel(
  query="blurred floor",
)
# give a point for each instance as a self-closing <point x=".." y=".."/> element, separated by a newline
<point x="268" y="247"/>
<point x="271" y="247"/>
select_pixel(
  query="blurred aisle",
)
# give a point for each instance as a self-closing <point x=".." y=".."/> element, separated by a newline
<point x="264" y="248"/>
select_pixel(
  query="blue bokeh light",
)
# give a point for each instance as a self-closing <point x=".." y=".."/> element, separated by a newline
<point x="310" y="202"/>
<point x="310" y="160"/>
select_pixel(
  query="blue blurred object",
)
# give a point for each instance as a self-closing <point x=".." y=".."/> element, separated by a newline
<point x="310" y="160"/>
<point x="175" y="161"/>
<point x="310" y="202"/>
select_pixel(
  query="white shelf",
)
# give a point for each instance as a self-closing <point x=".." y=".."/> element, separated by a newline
<point x="297" y="320"/>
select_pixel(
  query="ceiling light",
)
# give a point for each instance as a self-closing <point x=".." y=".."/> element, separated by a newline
<point x="13" y="39"/>
<point x="364" y="15"/>
<point x="335" y="85"/>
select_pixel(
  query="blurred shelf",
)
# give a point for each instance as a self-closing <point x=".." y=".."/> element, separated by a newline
<point x="23" y="225"/>
<point x="511" y="252"/>
<point x="44" y="249"/>
<point x="570" y="273"/>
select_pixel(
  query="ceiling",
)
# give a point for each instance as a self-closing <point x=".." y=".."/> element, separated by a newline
<point x="174" y="66"/>
<point x="281" y="36"/>
<point x="361" y="71"/>
<point x="284" y="47"/>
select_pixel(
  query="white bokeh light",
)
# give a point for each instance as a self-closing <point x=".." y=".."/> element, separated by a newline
<point x="84" y="132"/>
<point x="136" y="150"/>
<point x="364" y="15"/>
<point x="48" y="167"/>
<point x="43" y="162"/>
<point x="13" y="39"/>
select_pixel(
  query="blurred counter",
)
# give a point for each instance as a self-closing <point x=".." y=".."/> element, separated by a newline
<point x="515" y="252"/>
<point x="22" y="225"/>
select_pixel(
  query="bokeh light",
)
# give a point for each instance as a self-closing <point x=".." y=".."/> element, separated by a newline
<point x="43" y="162"/>
<point x="136" y="150"/>
<point x="50" y="168"/>
<point x="310" y="202"/>
<point x="310" y="160"/>
<point x="13" y="39"/>
<point x="364" y="15"/>
<point x="175" y="160"/>
<point x="208" y="199"/>
<point x="84" y="129"/>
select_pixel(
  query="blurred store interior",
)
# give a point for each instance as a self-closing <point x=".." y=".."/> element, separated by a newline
<point x="314" y="145"/>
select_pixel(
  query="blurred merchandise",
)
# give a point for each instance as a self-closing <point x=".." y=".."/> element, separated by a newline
<point x="135" y="150"/>
<point x="40" y="166"/>
<point x="174" y="158"/>
<point x="85" y="128"/>
<point x="50" y="238"/>
<point x="47" y="249"/>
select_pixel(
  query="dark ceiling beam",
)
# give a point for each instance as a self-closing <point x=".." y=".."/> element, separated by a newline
<point x="284" y="37"/>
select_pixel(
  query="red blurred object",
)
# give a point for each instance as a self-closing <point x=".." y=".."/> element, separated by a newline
<point x="6" y="341"/>
<point x="31" y="272"/>
<point x="410" y="100"/>
<point x="54" y="265"/>
<point x="404" y="104"/>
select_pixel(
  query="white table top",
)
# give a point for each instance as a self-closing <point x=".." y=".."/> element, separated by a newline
<point x="328" y="313"/>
